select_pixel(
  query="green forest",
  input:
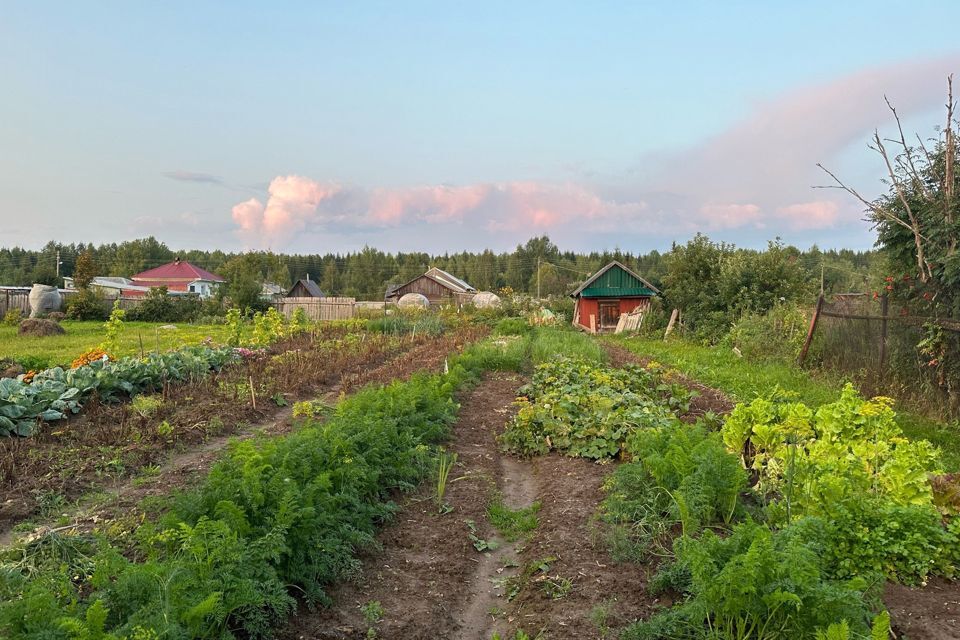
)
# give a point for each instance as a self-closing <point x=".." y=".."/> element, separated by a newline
<point x="365" y="274"/>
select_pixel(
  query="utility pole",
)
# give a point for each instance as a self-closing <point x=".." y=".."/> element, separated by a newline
<point x="538" y="277"/>
<point x="821" y="277"/>
<point x="58" y="267"/>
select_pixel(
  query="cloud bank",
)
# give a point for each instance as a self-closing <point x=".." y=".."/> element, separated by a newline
<point x="756" y="176"/>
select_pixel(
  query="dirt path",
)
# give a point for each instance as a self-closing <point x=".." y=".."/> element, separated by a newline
<point x="429" y="580"/>
<point x="186" y="467"/>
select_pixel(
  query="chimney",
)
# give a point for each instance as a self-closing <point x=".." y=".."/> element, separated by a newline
<point x="308" y="276"/>
<point x="177" y="260"/>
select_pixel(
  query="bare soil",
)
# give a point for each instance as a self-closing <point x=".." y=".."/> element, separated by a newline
<point x="928" y="613"/>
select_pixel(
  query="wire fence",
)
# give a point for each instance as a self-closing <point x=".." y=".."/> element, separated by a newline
<point x="888" y="349"/>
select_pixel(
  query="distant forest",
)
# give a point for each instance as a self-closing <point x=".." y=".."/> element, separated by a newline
<point x="365" y="274"/>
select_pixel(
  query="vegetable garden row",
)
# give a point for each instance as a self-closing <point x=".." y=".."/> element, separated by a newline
<point x="776" y="522"/>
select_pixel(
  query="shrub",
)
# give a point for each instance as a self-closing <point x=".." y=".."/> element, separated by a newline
<point x="12" y="317"/>
<point x="87" y="304"/>
<point x="779" y="333"/>
<point x="158" y="306"/>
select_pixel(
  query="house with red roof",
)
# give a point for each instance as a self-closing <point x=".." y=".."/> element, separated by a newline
<point x="180" y="276"/>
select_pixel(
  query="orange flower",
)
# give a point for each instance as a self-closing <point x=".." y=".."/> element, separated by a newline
<point x="28" y="376"/>
<point x="87" y="357"/>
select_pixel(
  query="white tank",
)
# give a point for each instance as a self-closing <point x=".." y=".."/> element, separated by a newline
<point x="44" y="299"/>
<point x="413" y="300"/>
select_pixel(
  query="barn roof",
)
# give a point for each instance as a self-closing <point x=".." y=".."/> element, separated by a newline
<point x="312" y="288"/>
<point x="178" y="270"/>
<point x="642" y="287"/>
<point x="439" y="276"/>
<point x="449" y="281"/>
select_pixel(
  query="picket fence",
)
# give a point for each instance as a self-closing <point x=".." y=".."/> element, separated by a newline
<point x="318" y="309"/>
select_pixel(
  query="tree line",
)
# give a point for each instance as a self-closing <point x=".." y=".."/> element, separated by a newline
<point x="708" y="280"/>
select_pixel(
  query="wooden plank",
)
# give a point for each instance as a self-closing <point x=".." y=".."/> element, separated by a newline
<point x="621" y="322"/>
<point x="813" y="326"/>
<point x="674" y="315"/>
<point x="593" y="323"/>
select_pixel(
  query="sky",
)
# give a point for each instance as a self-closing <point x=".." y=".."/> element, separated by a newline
<point x="434" y="126"/>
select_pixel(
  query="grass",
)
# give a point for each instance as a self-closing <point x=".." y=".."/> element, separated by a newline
<point x="512" y="524"/>
<point x="743" y="380"/>
<point x="550" y="343"/>
<point x="81" y="336"/>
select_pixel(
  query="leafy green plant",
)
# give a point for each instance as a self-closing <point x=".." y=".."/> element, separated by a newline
<point x="756" y="584"/>
<point x="146" y="405"/>
<point x="587" y="410"/>
<point x="480" y="544"/>
<point x="112" y="328"/>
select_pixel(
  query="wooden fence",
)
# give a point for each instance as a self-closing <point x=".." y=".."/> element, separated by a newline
<point x="15" y="299"/>
<point x="319" y="309"/>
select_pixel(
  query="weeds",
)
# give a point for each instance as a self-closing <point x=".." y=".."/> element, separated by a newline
<point x="512" y="524"/>
<point x="480" y="544"/>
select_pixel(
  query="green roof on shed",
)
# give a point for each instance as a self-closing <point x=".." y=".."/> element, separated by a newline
<point x="615" y="281"/>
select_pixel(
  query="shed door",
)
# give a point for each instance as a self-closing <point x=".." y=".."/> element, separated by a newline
<point x="609" y="314"/>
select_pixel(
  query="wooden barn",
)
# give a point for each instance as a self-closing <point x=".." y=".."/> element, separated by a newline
<point x="437" y="285"/>
<point x="610" y="292"/>
<point x="305" y="289"/>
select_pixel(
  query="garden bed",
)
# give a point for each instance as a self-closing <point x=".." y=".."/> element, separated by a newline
<point x="109" y="444"/>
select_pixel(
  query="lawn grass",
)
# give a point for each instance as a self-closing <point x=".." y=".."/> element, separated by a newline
<point x="81" y="336"/>
<point x="744" y="380"/>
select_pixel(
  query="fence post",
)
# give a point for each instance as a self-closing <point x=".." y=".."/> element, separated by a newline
<point x="884" y="305"/>
<point x="813" y="326"/>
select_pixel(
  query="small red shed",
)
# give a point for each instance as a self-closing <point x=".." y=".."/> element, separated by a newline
<point x="612" y="291"/>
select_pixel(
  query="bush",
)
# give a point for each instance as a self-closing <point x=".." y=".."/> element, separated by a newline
<point x="779" y="333"/>
<point x="158" y="306"/>
<point x="86" y="304"/>
<point x="12" y="317"/>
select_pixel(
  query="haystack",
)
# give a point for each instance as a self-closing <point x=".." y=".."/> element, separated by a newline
<point x="39" y="327"/>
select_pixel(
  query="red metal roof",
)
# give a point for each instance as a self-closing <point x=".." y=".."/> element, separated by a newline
<point x="177" y="271"/>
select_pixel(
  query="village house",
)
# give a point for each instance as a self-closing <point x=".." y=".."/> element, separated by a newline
<point x="305" y="288"/>
<point x="438" y="286"/>
<point x="610" y="292"/>
<point x="176" y="276"/>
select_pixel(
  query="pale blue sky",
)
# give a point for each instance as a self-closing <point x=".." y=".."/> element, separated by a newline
<point x="444" y="126"/>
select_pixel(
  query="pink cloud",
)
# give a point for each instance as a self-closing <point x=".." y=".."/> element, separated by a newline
<point x="436" y="203"/>
<point x="820" y="214"/>
<point x="729" y="216"/>
<point x="292" y="205"/>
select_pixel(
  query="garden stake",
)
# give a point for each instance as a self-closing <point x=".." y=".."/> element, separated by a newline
<point x="253" y="394"/>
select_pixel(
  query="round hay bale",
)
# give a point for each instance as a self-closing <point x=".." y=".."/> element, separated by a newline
<point x="44" y="299"/>
<point x="39" y="327"/>
<point x="413" y="301"/>
<point x="56" y="316"/>
<point x="486" y="300"/>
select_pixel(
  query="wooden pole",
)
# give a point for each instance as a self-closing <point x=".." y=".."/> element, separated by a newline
<point x="884" y="303"/>
<point x="813" y="326"/>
